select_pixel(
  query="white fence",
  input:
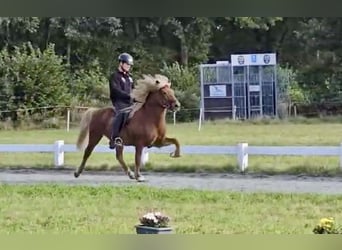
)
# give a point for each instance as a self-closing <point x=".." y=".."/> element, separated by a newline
<point x="242" y="150"/>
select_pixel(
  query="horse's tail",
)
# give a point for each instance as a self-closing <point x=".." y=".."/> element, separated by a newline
<point x="83" y="135"/>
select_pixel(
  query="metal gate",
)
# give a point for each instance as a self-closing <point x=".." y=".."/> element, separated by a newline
<point x="216" y="91"/>
<point x="244" y="89"/>
<point x="239" y="84"/>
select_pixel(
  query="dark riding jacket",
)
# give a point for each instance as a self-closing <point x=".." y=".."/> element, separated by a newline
<point x="120" y="87"/>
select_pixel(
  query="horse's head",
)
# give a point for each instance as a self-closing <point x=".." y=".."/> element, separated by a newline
<point x="165" y="97"/>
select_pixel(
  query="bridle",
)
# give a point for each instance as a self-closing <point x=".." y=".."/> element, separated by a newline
<point x="167" y="103"/>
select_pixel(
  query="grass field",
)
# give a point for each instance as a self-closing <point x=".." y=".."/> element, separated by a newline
<point x="219" y="133"/>
<point x="105" y="209"/>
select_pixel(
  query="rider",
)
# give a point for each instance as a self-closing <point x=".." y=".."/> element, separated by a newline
<point x="120" y="87"/>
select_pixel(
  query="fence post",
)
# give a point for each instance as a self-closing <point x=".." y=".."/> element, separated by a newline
<point x="68" y="120"/>
<point x="58" y="153"/>
<point x="234" y="112"/>
<point x="200" y="120"/>
<point x="341" y="156"/>
<point x="144" y="157"/>
<point x="242" y="156"/>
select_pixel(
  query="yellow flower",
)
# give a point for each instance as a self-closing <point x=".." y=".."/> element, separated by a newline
<point x="327" y="222"/>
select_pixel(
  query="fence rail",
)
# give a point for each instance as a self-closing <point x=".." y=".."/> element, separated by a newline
<point x="241" y="151"/>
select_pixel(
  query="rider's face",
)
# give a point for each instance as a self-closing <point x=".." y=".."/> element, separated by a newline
<point x="126" y="67"/>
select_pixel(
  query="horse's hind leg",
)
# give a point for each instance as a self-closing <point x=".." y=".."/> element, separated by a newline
<point x="94" y="139"/>
<point x="119" y="157"/>
<point x="138" y="153"/>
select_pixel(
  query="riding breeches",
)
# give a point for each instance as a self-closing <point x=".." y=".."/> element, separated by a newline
<point x="119" y="121"/>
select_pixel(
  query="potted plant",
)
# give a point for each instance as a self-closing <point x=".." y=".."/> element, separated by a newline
<point x="327" y="226"/>
<point x="154" y="223"/>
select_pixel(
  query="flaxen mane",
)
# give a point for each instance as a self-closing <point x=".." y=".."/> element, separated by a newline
<point x="146" y="85"/>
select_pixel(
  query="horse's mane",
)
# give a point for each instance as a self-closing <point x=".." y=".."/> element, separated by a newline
<point x="146" y="85"/>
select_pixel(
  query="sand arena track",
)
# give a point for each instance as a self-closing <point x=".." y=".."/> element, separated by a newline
<point x="228" y="182"/>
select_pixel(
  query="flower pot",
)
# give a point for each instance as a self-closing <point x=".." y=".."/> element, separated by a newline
<point x="140" y="229"/>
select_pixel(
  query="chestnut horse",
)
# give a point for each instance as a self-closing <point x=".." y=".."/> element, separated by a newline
<point x="146" y="125"/>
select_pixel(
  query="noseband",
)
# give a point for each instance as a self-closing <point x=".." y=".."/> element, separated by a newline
<point x="167" y="103"/>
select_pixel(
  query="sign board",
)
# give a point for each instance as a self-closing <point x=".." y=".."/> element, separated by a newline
<point x="217" y="90"/>
<point x="254" y="88"/>
<point x="222" y="62"/>
<point x="253" y="59"/>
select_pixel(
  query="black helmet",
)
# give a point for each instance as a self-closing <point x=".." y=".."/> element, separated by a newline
<point x="126" y="58"/>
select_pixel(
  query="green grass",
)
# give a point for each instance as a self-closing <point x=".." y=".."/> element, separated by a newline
<point x="212" y="133"/>
<point x="105" y="209"/>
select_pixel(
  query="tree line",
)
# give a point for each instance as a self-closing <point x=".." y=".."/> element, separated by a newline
<point x="56" y="61"/>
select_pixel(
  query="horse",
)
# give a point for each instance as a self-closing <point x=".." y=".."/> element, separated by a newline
<point x="145" y="126"/>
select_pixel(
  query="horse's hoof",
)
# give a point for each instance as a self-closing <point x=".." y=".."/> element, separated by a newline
<point x="76" y="174"/>
<point x="174" y="155"/>
<point x="131" y="175"/>
<point x="141" y="179"/>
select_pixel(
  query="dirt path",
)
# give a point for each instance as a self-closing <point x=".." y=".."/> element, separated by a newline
<point x="229" y="182"/>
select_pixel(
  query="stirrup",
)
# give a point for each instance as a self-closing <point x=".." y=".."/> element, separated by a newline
<point x="118" y="141"/>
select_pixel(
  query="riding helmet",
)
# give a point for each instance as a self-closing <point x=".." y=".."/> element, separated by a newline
<point x="126" y="58"/>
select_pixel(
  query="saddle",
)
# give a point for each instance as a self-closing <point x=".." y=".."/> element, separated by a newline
<point x="127" y="113"/>
<point x="125" y="116"/>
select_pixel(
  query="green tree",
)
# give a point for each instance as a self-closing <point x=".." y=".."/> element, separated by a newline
<point x="15" y="30"/>
<point x="193" y="36"/>
<point x="33" y="79"/>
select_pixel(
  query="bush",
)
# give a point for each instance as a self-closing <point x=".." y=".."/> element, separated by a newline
<point x="89" y="87"/>
<point x="182" y="78"/>
<point x="288" y="87"/>
<point x="31" y="79"/>
<point x="189" y="106"/>
<point x="184" y="81"/>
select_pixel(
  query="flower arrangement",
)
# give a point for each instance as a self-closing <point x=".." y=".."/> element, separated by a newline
<point x="154" y="219"/>
<point x="327" y="226"/>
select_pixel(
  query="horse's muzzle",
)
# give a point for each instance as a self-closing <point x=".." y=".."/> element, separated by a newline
<point x="175" y="106"/>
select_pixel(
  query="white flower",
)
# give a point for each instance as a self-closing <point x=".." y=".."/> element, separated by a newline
<point x="154" y="219"/>
<point x="149" y="216"/>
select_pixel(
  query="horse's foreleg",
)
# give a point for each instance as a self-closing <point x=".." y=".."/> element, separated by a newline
<point x="138" y="153"/>
<point x="168" y="141"/>
<point x="93" y="141"/>
<point x="119" y="157"/>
